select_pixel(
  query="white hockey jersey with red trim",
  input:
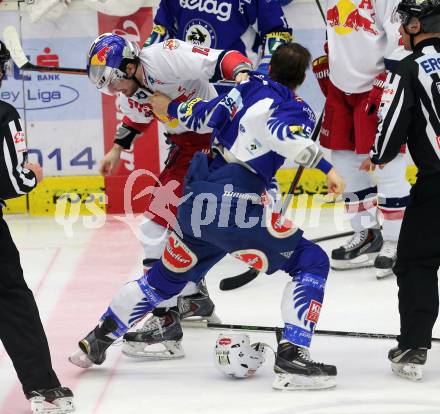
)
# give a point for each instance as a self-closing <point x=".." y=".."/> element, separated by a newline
<point x="361" y="33"/>
<point x="181" y="71"/>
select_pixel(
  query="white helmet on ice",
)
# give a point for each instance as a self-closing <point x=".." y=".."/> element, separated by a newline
<point x="236" y="357"/>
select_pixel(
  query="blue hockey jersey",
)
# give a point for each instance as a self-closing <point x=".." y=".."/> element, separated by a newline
<point x="258" y="124"/>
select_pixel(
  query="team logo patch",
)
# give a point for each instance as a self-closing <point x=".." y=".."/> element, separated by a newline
<point x="171" y="44"/>
<point x="254" y="258"/>
<point x="314" y="311"/>
<point x="177" y="257"/>
<point x="200" y="33"/>
<point x="100" y="58"/>
<point x="279" y="227"/>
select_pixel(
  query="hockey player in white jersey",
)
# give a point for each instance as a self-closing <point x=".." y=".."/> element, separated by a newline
<point x="362" y="43"/>
<point x="256" y="127"/>
<point x="181" y="70"/>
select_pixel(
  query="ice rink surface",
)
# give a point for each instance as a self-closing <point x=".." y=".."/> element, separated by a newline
<point x="74" y="278"/>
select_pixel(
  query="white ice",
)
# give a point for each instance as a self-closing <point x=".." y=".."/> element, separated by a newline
<point x="74" y="278"/>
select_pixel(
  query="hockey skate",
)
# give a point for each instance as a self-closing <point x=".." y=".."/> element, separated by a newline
<point x="359" y="251"/>
<point x="386" y="259"/>
<point x="57" y="400"/>
<point x="407" y="363"/>
<point x="159" y="338"/>
<point x="94" y="346"/>
<point x="296" y="371"/>
<point x="197" y="308"/>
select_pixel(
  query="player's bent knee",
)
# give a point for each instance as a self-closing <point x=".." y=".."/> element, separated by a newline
<point x="308" y="258"/>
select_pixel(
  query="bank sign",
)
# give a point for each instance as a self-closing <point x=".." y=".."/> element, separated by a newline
<point x="47" y="96"/>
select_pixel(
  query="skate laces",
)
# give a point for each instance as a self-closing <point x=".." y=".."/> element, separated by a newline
<point x="357" y="239"/>
<point x="389" y="249"/>
<point x="152" y="324"/>
<point x="304" y="353"/>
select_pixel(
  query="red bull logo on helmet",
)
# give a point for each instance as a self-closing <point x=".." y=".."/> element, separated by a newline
<point x="100" y="58"/>
<point x="348" y="16"/>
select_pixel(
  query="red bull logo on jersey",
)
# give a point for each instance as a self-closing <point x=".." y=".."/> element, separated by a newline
<point x="346" y="17"/>
<point x="100" y="58"/>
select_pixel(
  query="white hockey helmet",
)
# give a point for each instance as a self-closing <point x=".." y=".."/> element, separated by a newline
<point x="236" y="357"/>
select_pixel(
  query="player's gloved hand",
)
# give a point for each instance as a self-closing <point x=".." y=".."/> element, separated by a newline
<point x="322" y="73"/>
<point x="376" y="93"/>
<point x="36" y="169"/>
<point x="241" y="77"/>
<point x="159" y="104"/>
<point x="110" y="161"/>
<point x="335" y="183"/>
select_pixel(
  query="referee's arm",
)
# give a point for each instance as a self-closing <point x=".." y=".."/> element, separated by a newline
<point x="15" y="179"/>
<point x="395" y="115"/>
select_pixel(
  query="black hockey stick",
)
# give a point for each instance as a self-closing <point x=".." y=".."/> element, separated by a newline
<point x="321" y="11"/>
<point x="368" y="335"/>
<point x="13" y="44"/>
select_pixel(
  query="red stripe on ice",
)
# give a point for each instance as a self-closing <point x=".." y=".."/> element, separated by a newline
<point x="105" y="265"/>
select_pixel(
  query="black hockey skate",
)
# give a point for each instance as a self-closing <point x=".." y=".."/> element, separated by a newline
<point x="57" y="400"/>
<point x="94" y="346"/>
<point x="386" y="259"/>
<point x="159" y="338"/>
<point x="360" y="251"/>
<point x="196" y="308"/>
<point x="296" y="371"/>
<point x="407" y="363"/>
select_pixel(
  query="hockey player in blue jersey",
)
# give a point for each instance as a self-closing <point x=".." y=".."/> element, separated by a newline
<point x="243" y="25"/>
<point x="254" y="27"/>
<point x="257" y="126"/>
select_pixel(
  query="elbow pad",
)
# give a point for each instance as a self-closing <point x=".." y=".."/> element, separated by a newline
<point x="125" y="136"/>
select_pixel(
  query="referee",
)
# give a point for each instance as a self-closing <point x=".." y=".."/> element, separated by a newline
<point x="21" y="330"/>
<point x="410" y="113"/>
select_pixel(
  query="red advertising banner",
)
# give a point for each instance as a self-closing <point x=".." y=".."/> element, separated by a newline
<point x="145" y="152"/>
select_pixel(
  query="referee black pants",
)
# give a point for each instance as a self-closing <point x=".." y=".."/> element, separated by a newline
<point x="21" y="330"/>
<point x="418" y="261"/>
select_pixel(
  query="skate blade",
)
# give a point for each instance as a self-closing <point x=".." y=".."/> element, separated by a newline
<point x="200" y="321"/>
<point x="293" y="382"/>
<point x="80" y="359"/>
<point x="412" y="372"/>
<point x="365" y="260"/>
<point x="154" y="352"/>
<point x="62" y="405"/>
<point x="383" y="273"/>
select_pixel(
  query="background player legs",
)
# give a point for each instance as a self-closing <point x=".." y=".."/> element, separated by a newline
<point x="361" y="201"/>
<point x="393" y="190"/>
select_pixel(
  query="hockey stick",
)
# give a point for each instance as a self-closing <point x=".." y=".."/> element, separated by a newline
<point x="353" y="334"/>
<point x="13" y="44"/>
<point x="321" y="11"/>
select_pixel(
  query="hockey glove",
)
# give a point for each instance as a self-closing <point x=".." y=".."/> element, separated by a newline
<point x="322" y="73"/>
<point x="270" y="44"/>
<point x="376" y="93"/>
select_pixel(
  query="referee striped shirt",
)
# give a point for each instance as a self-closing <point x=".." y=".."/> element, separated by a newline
<point x="15" y="179"/>
<point x="410" y="110"/>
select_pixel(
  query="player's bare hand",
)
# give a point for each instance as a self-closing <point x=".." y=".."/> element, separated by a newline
<point x="36" y="169"/>
<point x="241" y="77"/>
<point x="368" y="166"/>
<point x="110" y="161"/>
<point x="159" y="104"/>
<point x="335" y="183"/>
